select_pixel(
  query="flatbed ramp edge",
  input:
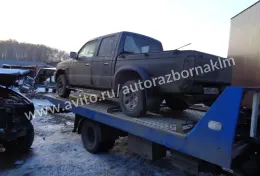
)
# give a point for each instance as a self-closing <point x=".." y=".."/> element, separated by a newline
<point x="211" y="138"/>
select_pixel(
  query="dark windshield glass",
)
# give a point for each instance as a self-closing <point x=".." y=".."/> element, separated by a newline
<point x="135" y="44"/>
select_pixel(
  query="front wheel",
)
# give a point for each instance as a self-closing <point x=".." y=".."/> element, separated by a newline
<point x="62" y="86"/>
<point x="132" y="99"/>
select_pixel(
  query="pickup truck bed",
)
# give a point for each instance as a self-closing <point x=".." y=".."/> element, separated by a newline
<point x="179" y="62"/>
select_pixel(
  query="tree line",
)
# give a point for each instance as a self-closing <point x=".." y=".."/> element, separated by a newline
<point x="13" y="50"/>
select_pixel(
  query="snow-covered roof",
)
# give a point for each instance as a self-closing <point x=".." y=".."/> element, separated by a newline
<point x="21" y="63"/>
<point x="17" y="72"/>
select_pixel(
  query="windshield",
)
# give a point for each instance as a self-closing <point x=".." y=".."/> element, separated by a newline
<point x="45" y="76"/>
<point x="135" y="44"/>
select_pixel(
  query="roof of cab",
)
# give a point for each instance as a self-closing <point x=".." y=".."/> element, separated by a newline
<point x="122" y="32"/>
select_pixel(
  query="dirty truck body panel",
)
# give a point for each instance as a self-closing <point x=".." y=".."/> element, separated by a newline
<point x="183" y="71"/>
<point x="126" y="51"/>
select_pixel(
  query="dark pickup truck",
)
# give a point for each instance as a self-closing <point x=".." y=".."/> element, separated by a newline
<point x="128" y="60"/>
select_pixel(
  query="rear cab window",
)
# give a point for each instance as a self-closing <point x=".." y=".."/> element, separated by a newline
<point x="139" y="44"/>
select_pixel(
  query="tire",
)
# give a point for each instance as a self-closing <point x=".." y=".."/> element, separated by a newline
<point x="176" y="104"/>
<point x="132" y="103"/>
<point x="91" y="136"/>
<point x="109" y="135"/>
<point x="62" y="86"/>
<point x="22" y="144"/>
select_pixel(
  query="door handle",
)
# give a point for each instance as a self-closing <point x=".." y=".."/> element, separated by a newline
<point x="105" y="63"/>
<point x="87" y="64"/>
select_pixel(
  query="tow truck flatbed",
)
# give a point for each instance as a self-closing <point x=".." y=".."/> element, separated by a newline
<point x="207" y="136"/>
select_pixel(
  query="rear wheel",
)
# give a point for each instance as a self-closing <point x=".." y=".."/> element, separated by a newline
<point x="91" y="136"/>
<point x="132" y="100"/>
<point x="62" y="86"/>
<point x="97" y="137"/>
<point x="176" y="104"/>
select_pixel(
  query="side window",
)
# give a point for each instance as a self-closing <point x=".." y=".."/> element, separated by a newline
<point x="108" y="46"/>
<point x="88" y="49"/>
<point x="130" y="45"/>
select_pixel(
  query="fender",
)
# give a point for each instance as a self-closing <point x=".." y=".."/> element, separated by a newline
<point x="140" y="70"/>
<point x="145" y="75"/>
<point x="63" y="66"/>
<point x="66" y="70"/>
<point x="57" y="72"/>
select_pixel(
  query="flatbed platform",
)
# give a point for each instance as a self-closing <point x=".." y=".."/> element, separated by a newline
<point x="208" y="136"/>
<point x="176" y="123"/>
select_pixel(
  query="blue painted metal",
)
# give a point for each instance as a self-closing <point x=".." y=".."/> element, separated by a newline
<point x="202" y="142"/>
<point x="216" y="146"/>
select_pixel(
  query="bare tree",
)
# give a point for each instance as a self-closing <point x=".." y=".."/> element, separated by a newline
<point x="11" y="49"/>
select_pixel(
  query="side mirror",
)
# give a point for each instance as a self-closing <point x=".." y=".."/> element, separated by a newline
<point x="73" y="55"/>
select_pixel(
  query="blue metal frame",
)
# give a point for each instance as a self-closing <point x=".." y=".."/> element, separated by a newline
<point x="202" y="142"/>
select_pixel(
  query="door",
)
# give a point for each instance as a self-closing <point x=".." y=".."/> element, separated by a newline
<point x="102" y="73"/>
<point x="80" y="68"/>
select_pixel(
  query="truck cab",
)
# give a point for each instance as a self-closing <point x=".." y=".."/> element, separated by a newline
<point x="94" y="64"/>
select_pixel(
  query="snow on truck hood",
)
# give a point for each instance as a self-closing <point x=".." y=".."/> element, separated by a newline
<point x="9" y="77"/>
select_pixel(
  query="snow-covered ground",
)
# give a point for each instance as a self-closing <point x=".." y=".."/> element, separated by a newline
<point x="40" y="103"/>
<point x="57" y="151"/>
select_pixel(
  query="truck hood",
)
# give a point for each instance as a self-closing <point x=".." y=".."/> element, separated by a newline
<point x="9" y="77"/>
<point x="65" y="62"/>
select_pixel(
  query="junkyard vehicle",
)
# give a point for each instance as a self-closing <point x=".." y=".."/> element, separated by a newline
<point x="16" y="130"/>
<point x="120" y="60"/>
<point x="33" y="69"/>
<point x="43" y="82"/>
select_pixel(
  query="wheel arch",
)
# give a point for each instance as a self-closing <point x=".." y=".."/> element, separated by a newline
<point x="60" y="72"/>
<point x="130" y="70"/>
<point x="135" y="71"/>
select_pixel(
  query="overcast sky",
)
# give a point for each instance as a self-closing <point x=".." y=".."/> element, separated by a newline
<point x="68" y="24"/>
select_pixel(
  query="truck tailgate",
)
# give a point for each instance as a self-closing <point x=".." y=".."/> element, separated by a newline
<point x="210" y="69"/>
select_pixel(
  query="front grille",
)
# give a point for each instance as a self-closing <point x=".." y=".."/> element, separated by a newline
<point x="10" y="118"/>
<point x="13" y="116"/>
